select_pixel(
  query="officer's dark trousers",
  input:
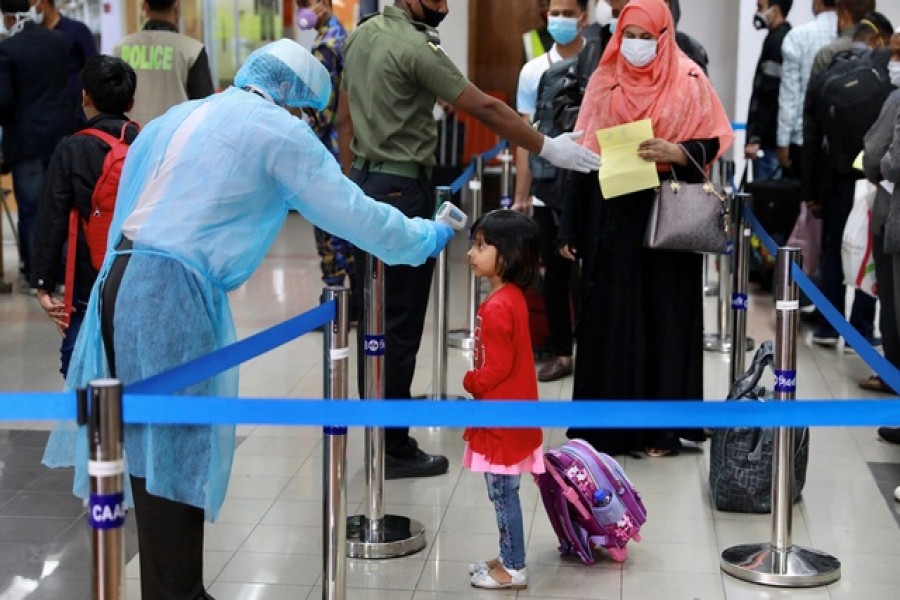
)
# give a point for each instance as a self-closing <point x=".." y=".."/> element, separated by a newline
<point x="557" y="277"/>
<point x="406" y="291"/>
<point x="836" y="211"/>
<point x="170" y="533"/>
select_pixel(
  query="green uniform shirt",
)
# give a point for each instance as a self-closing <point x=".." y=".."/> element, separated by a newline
<point x="393" y="70"/>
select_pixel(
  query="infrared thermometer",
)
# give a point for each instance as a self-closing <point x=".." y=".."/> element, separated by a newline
<point x="450" y="215"/>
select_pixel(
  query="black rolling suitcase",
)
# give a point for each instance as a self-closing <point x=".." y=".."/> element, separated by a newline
<point x="776" y="203"/>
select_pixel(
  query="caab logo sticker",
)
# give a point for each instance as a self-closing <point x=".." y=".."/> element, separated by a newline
<point x="107" y="511"/>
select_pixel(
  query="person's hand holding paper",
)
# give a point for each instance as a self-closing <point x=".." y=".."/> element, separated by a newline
<point x="624" y="171"/>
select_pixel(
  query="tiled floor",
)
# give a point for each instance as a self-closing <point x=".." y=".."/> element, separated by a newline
<point x="267" y="544"/>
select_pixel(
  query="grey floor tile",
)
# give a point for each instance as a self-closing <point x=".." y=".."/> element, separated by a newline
<point x="54" y="480"/>
<point x="19" y="479"/>
<point x="42" y="504"/>
<point x="37" y="530"/>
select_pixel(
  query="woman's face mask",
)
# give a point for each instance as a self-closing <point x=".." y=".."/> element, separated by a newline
<point x="562" y="29"/>
<point x="639" y="53"/>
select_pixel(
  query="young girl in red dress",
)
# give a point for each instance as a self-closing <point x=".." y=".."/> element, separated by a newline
<point x="505" y="249"/>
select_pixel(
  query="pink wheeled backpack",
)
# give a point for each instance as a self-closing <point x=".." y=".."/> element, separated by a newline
<point x="590" y="502"/>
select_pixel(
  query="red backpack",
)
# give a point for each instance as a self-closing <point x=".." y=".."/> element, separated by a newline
<point x="103" y="203"/>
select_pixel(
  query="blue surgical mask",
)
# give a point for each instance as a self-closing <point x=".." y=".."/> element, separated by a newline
<point x="562" y="29"/>
<point x="612" y="25"/>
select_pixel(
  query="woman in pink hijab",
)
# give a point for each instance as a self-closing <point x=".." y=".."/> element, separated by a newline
<point x="640" y="333"/>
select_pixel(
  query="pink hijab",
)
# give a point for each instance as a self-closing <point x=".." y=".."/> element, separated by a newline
<point x="672" y="90"/>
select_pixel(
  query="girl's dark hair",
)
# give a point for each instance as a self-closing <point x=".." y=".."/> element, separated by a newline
<point x="110" y="82"/>
<point x="517" y="240"/>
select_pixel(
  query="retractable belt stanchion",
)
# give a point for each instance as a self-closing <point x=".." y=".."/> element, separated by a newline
<point x="439" y="366"/>
<point x="375" y="534"/>
<point x="5" y="287"/>
<point x="464" y="339"/>
<point x="780" y="563"/>
<point x="336" y="386"/>
<point x="721" y="340"/>
<point x="739" y="296"/>
<point x="506" y="178"/>
<point x="100" y="408"/>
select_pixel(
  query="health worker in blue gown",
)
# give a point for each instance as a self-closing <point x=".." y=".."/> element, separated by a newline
<point x="204" y="191"/>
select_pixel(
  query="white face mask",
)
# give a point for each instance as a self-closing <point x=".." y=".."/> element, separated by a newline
<point x="603" y="13"/>
<point x="894" y="70"/>
<point x="639" y="53"/>
<point x="34" y="15"/>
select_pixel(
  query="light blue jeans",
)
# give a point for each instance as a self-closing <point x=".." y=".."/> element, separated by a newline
<point x="503" y="491"/>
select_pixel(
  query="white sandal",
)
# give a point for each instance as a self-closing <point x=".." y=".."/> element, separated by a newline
<point x="478" y="566"/>
<point x="519" y="581"/>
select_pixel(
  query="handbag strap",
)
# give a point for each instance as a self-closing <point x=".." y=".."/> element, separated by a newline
<point x="694" y="162"/>
<point x="706" y="179"/>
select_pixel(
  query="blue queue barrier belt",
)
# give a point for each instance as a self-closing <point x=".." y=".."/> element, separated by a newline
<point x="884" y="369"/>
<point x="194" y="410"/>
<point x="739" y="126"/>
<point x="234" y="354"/>
<point x="466" y="175"/>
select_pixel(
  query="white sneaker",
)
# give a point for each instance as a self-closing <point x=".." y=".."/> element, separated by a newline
<point x="519" y="581"/>
<point x="897" y="493"/>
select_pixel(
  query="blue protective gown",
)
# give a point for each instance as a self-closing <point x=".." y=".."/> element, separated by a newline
<point x="205" y="189"/>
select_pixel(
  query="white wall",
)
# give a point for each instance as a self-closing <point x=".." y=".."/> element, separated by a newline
<point x="455" y="34"/>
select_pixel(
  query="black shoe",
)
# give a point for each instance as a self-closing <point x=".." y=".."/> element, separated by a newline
<point x="419" y="464"/>
<point x="889" y="434"/>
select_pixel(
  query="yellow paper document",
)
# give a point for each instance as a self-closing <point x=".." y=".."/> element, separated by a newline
<point x="623" y="171"/>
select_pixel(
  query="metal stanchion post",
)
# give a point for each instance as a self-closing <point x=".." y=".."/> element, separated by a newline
<point x="721" y="340"/>
<point x="439" y="365"/>
<point x="464" y="339"/>
<point x="506" y="179"/>
<point x="779" y="562"/>
<point x="100" y="408"/>
<point x="739" y="297"/>
<point x="375" y="534"/>
<point x="5" y="287"/>
<point x="708" y="288"/>
<point x="336" y="386"/>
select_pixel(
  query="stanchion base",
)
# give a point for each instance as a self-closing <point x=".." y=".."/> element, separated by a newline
<point x="713" y="342"/>
<point x="461" y="339"/>
<point x="401" y="536"/>
<point x="793" y="567"/>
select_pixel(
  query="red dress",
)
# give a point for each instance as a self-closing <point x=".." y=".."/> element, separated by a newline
<point x="504" y="370"/>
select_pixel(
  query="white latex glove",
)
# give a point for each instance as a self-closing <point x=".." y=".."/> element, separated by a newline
<point x="565" y="153"/>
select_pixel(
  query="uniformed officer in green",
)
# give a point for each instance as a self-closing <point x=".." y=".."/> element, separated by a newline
<point x="394" y="70"/>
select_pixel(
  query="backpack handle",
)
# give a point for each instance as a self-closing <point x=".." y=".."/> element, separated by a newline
<point x="569" y="492"/>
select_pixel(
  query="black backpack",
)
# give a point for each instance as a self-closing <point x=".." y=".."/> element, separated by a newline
<point x="854" y="88"/>
<point x="547" y="179"/>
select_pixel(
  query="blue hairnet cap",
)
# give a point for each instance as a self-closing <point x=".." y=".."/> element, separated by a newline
<point x="287" y="72"/>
